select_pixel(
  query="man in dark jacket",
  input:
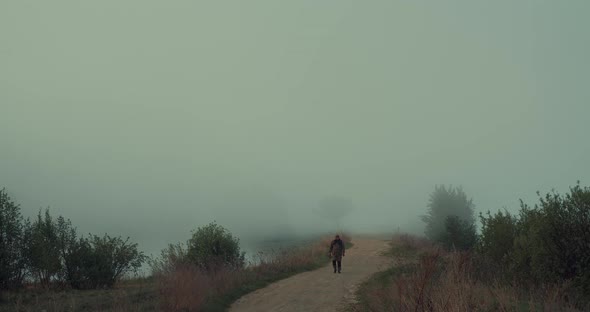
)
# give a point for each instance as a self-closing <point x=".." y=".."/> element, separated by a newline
<point x="337" y="252"/>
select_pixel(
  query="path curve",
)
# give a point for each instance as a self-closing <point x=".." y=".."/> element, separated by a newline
<point x="320" y="290"/>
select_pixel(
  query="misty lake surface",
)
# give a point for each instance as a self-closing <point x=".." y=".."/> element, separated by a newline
<point x="269" y="247"/>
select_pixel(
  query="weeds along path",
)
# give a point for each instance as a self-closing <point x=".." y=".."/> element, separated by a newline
<point x="320" y="290"/>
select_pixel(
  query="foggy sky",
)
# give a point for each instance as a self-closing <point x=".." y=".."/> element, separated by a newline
<point x="150" y="118"/>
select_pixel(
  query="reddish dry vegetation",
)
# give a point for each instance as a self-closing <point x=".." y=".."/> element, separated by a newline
<point x="188" y="288"/>
<point x="426" y="278"/>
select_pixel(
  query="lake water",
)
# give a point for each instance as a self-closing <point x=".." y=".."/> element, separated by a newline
<point x="253" y="250"/>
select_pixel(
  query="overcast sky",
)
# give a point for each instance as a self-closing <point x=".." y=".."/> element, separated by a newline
<point x="150" y="118"/>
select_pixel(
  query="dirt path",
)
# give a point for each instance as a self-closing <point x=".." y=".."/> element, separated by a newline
<point x="319" y="290"/>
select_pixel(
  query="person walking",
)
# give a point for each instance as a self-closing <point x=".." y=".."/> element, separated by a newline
<point x="337" y="252"/>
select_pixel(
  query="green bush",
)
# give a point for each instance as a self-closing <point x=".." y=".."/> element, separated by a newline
<point x="527" y="247"/>
<point x="214" y="246"/>
<point x="210" y="247"/>
<point x="547" y="243"/>
<point x="459" y="234"/>
<point x="103" y="260"/>
<point x="558" y="229"/>
<point x="496" y="240"/>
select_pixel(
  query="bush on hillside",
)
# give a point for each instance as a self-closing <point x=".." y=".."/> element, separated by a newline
<point x="459" y="234"/>
<point x="558" y="231"/>
<point x="105" y="259"/>
<point x="550" y="241"/>
<point x="171" y="258"/>
<point x="496" y="240"/>
<point x="212" y="246"/>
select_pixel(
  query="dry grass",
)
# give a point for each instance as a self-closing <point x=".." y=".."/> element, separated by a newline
<point x="185" y="287"/>
<point x="134" y="295"/>
<point x="425" y="278"/>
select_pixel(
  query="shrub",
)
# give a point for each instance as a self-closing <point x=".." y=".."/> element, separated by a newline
<point x="12" y="266"/>
<point x="548" y="243"/>
<point x="213" y="246"/>
<point x="496" y="240"/>
<point x="557" y="236"/>
<point x="104" y="260"/>
<point x="459" y="234"/>
<point x="434" y="280"/>
<point x="171" y="258"/>
<point x="210" y="246"/>
<point x="527" y="244"/>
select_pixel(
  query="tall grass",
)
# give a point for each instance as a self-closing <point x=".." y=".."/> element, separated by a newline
<point x="427" y="278"/>
<point x="133" y="295"/>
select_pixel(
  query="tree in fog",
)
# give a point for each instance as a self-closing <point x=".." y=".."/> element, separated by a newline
<point x="42" y="248"/>
<point x="54" y="254"/>
<point x="11" y="243"/>
<point x="449" y="212"/>
<point x="335" y="209"/>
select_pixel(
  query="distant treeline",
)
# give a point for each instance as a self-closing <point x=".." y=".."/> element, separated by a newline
<point x="548" y="243"/>
<point x="49" y="251"/>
